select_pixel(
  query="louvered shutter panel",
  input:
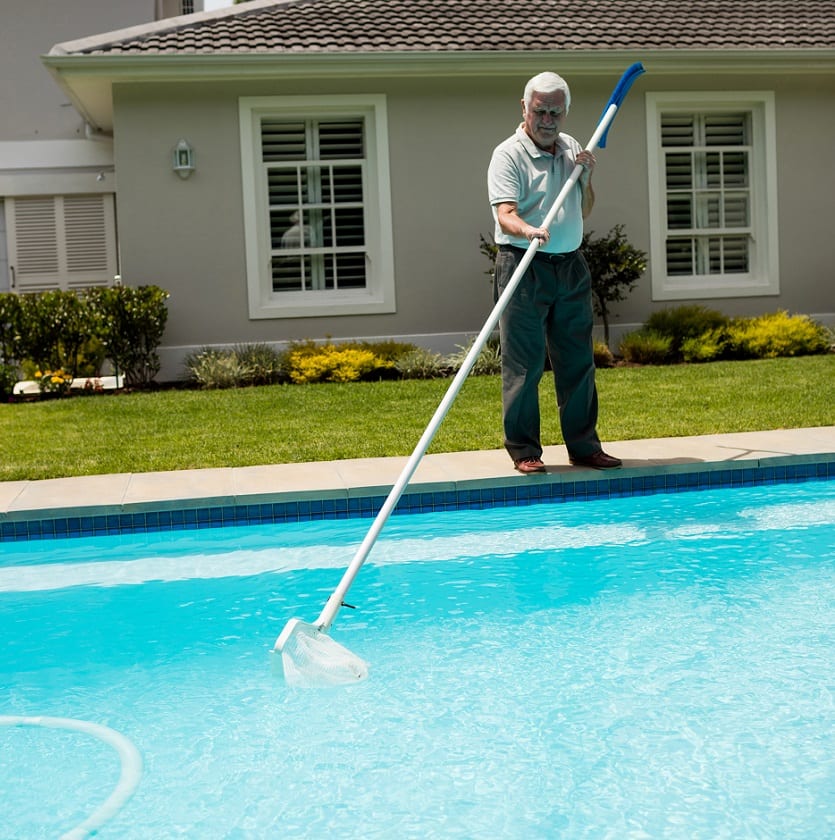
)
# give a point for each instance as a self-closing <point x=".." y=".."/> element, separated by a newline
<point x="706" y="172"/>
<point x="725" y="130"/>
<point x="90" y="240"/>
<point x="33" y="244"/>
<point x="315" y="184"/>
<point x="341" y="140"/>
<point x="62" y="242"/>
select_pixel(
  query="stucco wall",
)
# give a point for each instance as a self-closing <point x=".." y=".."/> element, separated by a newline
<point x="34" y="107"/>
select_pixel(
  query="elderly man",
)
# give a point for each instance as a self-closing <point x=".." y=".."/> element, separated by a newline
<point x="551" y="310"/>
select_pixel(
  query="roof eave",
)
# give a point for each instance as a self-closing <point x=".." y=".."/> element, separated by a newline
<point x="87" y="79"/>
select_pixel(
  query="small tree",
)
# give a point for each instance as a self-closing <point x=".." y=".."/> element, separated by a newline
<point x="615" y="268"/>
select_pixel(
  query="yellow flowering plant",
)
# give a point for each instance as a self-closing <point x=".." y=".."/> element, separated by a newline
<point x="53" y="381"/>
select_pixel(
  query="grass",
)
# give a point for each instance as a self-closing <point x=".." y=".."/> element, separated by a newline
<point x="186" y="429"/>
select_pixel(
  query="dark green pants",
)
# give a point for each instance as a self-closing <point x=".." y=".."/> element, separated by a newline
<point x="550" y="313"/>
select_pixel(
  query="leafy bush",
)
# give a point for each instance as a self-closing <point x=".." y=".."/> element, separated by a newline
<point x="53" y="328"/>
<point x="10" y="328"/>
<point x="330" y="363"/>
<point x="646" y="347"/>
<point x="264" y="363"/>
<point x="130" y="322"/>
<point x="776" y="334"/>
<point x="698" y="334"/>
<point x="603" y="356"/>
<point x="389" y="350"/>
<point x="421" y="363"/>
<point x="246" y="364"/>
<point x="489" y="360"/>
<point x="8" y="379"/>
<point x="708" y="347"/>
<point x="211" y="367"/>
<point x="683" y="322"/>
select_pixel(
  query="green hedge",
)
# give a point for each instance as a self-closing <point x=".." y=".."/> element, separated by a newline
<point x="72" y="334"/>
<point x="693" y="333"/>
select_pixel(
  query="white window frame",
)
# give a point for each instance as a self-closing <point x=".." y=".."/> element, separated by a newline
<point x="378" y="295"/>
<point x="763" y="277"/>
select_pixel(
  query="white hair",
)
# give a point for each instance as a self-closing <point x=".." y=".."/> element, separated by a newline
<point x="547" y="82"/>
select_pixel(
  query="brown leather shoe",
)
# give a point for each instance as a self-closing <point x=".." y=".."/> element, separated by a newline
<point x="529" y="465"/>
<point x="599" y="461"/>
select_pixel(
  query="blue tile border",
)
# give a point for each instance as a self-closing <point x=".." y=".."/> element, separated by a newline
<point x="470" y="496"/>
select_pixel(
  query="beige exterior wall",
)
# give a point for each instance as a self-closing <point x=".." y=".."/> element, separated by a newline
<point x="33" y="106"/>
<point x="187" y="236"/>
<point x="439" y="209"/>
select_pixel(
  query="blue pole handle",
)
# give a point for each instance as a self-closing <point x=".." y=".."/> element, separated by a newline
<point x="619" y="93"/>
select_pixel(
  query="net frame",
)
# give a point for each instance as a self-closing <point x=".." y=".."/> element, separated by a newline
<point x="311" y="658"/>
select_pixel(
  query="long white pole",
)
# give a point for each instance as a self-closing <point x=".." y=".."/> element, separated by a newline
<point x="333" y="604"/>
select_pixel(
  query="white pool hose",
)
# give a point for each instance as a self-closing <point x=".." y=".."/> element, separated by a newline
<point x="129" y="757"/>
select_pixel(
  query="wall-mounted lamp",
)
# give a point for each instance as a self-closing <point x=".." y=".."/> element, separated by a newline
<point x="183" y="159"/>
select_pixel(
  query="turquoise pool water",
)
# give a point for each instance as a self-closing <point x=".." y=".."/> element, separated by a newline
<point x="657" y="666"/>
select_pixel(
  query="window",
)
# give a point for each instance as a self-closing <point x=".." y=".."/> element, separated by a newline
<point x="712" y="195"/>
<point x="318" y="228"/>
<point x="61" y="242"/>
<point x="173" y="8"/>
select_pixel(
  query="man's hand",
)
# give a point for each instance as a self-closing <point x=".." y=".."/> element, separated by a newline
<point x="541" y="234"/>
<point x="587" y="160"/>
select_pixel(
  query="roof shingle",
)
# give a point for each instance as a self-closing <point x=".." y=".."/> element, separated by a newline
<point x="388" y="26"/>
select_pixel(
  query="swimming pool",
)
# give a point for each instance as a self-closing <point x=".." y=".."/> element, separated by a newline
<point x="646" y="666"/>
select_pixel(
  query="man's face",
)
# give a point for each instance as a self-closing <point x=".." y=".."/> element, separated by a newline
<point x="543" y="118"/>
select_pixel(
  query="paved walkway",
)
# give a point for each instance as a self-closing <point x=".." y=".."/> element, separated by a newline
<point x="374" y="477"/>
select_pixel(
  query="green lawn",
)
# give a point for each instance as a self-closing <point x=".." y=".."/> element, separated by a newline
<point x="184" y="429"/>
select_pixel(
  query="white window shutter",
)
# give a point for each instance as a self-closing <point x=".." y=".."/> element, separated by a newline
<point x="61" y="242"/>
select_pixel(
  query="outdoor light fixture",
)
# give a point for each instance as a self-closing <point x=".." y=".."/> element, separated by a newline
<point x="183" y="159"/>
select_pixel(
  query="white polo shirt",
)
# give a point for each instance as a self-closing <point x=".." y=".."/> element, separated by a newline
<point x="531" y="178"/>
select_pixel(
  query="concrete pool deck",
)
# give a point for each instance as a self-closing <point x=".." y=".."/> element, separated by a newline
<point x="124" y="493"/>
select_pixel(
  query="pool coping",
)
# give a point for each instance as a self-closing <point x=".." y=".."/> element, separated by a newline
<point x="138" y="502"/>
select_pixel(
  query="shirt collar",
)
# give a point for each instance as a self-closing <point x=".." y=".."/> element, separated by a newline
<point x="533" y="150"/>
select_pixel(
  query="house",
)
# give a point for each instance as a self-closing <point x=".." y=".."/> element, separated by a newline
<point x="295" y="169"/>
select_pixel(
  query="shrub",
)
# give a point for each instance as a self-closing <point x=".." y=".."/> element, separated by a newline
<point x="8" y="379"/>
<point x="212" y="368"/>
<point x="10" y="328"/>
<point x="53" y="328"/>
<point x="777" y="334"/>
<point x="246" y="364"/>
<point x="264" y="364"/>
<point x="421" y="363"/>
<point x="330" y="363"/>
<point x="130" y="322"/>
<point x="489" y="360"/>
<point x="389" y="350"/>
<point x="646" y="347"/>
<point x="707" y="347"/>
<point x="683" y="322"/>
<point x="603" y="357"/>
<point x="54" y="381"/>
